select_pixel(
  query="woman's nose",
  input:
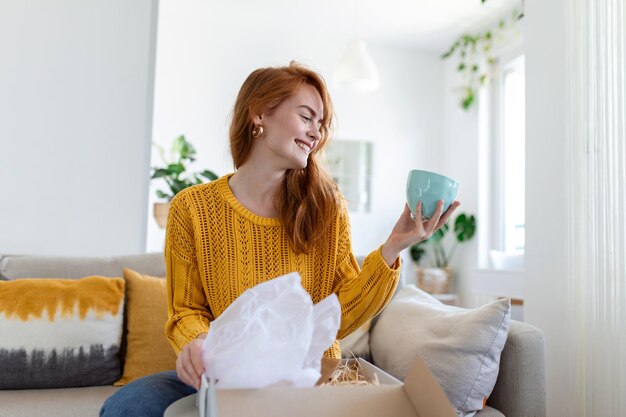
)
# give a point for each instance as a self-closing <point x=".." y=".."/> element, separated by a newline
<point x="314" y="133"/>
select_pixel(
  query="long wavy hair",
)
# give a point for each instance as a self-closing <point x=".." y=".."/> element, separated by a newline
<point x="309" y="198"/>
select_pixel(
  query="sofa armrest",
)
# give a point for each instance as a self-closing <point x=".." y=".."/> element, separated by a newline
<point x="520" y="390"/>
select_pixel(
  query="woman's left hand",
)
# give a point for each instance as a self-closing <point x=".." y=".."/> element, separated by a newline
<point x="408" y="231"/>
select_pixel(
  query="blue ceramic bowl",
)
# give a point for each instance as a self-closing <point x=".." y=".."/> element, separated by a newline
<point x="430" y="187"/>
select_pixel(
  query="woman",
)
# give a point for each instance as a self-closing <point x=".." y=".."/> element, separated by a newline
<point x="278" y="213"/>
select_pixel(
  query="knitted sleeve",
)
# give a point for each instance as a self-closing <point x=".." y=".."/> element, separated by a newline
<point x="187" y="312"/>
<point x="362" y="293"/>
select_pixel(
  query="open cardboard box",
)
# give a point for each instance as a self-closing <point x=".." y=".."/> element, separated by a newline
<point x="419" y="396"/>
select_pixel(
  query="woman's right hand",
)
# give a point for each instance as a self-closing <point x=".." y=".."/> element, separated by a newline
<point x="189" y="366"/>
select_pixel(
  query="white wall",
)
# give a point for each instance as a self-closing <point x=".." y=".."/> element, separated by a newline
<point x="547" y="279"/>
<point x="200" y="69"/>
<point x="546" y="265"/>
<point x="75" y="106"/>
<point x="460" y="161"/>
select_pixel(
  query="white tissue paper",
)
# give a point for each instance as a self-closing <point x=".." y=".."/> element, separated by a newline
<point x="271" y="335"/>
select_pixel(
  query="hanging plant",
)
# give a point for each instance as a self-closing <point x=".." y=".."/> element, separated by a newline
<point x="476" y="60"/>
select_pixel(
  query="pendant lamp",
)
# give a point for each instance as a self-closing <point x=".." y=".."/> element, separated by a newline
<point x="356" y="69"/>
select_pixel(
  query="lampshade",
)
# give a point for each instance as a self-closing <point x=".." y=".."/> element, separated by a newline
<point x="356" y="69"/>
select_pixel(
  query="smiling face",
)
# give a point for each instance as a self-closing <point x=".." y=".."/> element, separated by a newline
<point x="291" y="130"/>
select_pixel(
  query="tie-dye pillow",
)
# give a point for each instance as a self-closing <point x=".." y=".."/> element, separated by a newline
<point x="60" y="333"/>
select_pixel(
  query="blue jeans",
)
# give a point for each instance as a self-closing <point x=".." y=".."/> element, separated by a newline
<point x="146" y="397"/>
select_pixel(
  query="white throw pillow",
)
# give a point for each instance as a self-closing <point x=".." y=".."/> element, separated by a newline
<point x="460" y="346"/>
<point x="357" y="343"/>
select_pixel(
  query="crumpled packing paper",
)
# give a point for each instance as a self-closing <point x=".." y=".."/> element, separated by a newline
<point x="271" y="335"/>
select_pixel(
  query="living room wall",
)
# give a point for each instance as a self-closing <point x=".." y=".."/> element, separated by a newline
<point x="549" y="257"/>
<point x="460" y="160"/>
<point x="202" y="62"/>
<point x="76" y="103"/>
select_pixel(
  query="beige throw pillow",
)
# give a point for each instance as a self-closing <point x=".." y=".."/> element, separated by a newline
<point x="147" y="349"/>
<point x="357" y="343"/>
<point x="461" y="347"/>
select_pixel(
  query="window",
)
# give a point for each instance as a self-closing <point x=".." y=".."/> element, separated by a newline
<point x="513" y="155"/>
<point x="502" y="176"/>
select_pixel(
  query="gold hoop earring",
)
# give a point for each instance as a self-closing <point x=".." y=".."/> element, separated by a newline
<point x="257" y="131"/>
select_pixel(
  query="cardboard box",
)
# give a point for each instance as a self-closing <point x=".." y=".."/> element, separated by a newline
<point x="419" y="396"/>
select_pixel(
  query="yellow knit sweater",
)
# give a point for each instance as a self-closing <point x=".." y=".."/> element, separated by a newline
<point x="215" y="249"/>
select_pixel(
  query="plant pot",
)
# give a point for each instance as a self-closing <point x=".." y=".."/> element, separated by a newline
<point x="434" y="280"/>
<point x="160" y="211"/>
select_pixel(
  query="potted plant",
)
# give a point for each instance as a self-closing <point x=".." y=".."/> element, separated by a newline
<point x="175" y="175"/>
<point x="437" y="278"/>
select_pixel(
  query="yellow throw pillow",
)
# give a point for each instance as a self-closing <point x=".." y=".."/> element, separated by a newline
<point x="147" y="349"/>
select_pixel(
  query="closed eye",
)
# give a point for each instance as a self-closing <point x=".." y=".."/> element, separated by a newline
<point x="312" y="112"/>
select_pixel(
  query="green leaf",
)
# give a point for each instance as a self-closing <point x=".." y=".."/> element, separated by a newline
<point x="417" y="251"/>
<point x="461" y="66"/>
<point x="468" y="100"/>
<point x="474" y="68"/>
<point x="210" y="175"/>
<point x="183" y="149"/>
<point x="451" y="51"/>
<point x="178" y="185"/>
<point x="439" y="234"/>
<point x="175" y="169"/>
<point x="160" y="173"/>
<point x="464" y="227"/>
<point x="161" y="194"/>
<point x="184" y="152"/>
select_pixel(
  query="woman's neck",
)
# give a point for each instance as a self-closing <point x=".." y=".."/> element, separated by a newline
<point x="256" y="188"/>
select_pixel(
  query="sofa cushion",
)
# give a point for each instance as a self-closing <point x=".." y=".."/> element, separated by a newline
<point x="147" y="349"/>
<point x="60" y="332"/>
<point x="66" y="402"/>
<point x="461" y="347"/>
<point x="357" y="343"/>
<point x="489" y="412"/>
<point x="29" y="266"/>
<point x="521" y="386"/>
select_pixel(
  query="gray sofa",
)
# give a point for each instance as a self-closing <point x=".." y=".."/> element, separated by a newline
<point x="519" y="391"/>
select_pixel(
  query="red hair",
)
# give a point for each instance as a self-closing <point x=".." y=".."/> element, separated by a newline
<point x="309" y="198"/>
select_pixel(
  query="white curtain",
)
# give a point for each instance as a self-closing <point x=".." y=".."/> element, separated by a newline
<point x="597" y="217"/>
